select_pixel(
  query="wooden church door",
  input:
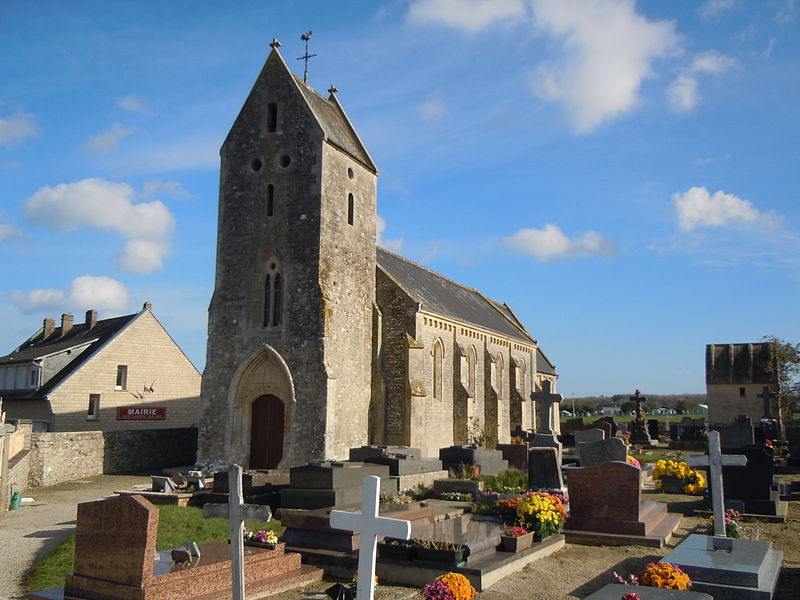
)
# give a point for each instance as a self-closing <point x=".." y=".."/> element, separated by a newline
<point x="266" y="433"/>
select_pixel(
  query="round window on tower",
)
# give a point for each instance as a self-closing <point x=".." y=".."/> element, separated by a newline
<point x="284" y="160"/>
<point x="349" y="173"/>
<point x="255" y="165"/>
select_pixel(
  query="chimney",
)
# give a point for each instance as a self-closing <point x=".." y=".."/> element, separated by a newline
<point x="91" y="319"/>
<point x="147" y="306"/>
<point x="48" y="327"/>
<point x="66" y="323"/>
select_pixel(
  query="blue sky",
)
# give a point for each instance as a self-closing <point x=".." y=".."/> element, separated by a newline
<point x="623" y="174"/>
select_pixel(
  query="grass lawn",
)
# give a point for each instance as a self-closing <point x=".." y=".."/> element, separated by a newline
<point x="176" y="525"/>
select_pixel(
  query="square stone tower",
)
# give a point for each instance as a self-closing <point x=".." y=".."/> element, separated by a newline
<point x="288" y="367"/>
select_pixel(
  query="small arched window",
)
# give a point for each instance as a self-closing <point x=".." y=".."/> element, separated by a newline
<point x="272" y="117"/>
<point x="273" y="296"/>
<point x="270" y="200"/>
<point x="438" y="353"/>
<point x="350" y="209"/>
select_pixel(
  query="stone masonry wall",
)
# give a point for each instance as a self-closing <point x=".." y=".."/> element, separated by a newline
<point x="725" y="403"/>
<point x="58" y="457"/>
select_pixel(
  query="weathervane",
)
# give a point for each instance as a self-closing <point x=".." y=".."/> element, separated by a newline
<point x="305" y="37"/>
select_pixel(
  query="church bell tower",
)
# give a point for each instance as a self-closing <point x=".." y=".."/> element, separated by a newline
<point x="288" y="366"/>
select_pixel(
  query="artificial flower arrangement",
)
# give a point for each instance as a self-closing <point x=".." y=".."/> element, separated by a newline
<point x="693" y="481"/>
<point x="733" y="528"/>
<point x="456" y="496"/>
<point x="516" y="531"/>
<point x="450" y="586"/>
<point x="261" y="537"/>
<point x="661" y="575"/>
<point x="634" y="462"/>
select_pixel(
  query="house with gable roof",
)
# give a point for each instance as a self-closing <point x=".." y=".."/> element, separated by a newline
<point x="113" y="374"/>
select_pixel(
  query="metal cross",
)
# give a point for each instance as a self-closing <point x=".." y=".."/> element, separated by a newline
<point x="714" y="461"/>
<point x="370" y="525"/>
<point x="767" y="396"/>
<point x="236" y="511"/>
<point x="305" y="37"/>
<point x="545" y="399"/>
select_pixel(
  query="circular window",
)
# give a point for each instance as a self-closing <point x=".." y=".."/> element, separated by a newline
<point x="285" y="160"/>
<point x="349" y="173"/>
<point x="256" y="164"/>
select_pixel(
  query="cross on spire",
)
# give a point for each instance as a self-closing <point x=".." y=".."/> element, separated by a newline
<point x="274" y="44"/>
<point x="715" y="460"/>
<point x="305" y="37"/>
<point x="370" y="525"/>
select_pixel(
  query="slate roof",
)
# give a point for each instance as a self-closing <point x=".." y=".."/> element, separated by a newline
<point x="543" y="364"/>
<point x="445" y="297"/>
<point x="335" y="124"/>
<point x="37" y="347"/>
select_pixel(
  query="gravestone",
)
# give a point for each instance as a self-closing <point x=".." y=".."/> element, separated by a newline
<point x="638" y="428"/>
<point x="490" y="461"/>
<point x="370" y="526"/>
<point x="405" y="463"/>
<point x="588" y="435"/>
<point x="606" y="508"/>
<point x="515" y="454"/>
<point x="793" y="441"/>
<point x="749" y="488"/>
<point x="611" y="422"/>
<point x="602" y="451"/>
<point x="545" y="437"/>
<point x="332" y="483"/>
<point x="570" y="425"/>
<point x="653" y="428"/>
<point x="522" y="434"/>
<point x="725" y="567"/>
<point x="544" y="470"/>
<point x="116" y="559"/>
<point x="737" y="434"/>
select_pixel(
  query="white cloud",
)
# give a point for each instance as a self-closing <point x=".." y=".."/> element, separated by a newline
<point x="550" y="242"/>
<point x="134" y="104"/>
<point x="391" y="245"/>
<point x="698" y="208"/>
<point x="107" y="140"/>
<point x="609" y="50"/>
<point x="142" y="256"/>
<point x="682" y="93"/>
<point x="431" y="110"/>
<point x="8" y="231"/>
<point x="767" y="52"/>
<point x="16" y="127"/>
<point x="171" y="189"/>
<point x="107" y="206"/>
<point x="99" y="204"/>
<point x="712" y="8"/>
<point x="467" y="15"/>
<point x="87" y="291"/>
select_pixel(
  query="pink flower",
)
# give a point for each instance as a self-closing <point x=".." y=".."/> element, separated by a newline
<point x="631" y="596"/>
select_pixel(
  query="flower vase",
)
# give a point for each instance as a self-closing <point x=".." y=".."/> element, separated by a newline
<point x="517" y="544"/>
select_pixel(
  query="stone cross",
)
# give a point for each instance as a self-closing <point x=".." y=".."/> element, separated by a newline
<point x="638" y="431"/>
<point x="545" y="399"/>
<point x="715" y="460"/>
<point x="370" y="525"/>
<point x="638" y="398"/>
<point x="236" y="511"/>
<point x="767" y="396"/>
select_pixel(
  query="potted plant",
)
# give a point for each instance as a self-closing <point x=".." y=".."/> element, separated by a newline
<point x="448" y="553"/>
<point x="542" y="513"/>
<point x="450" y="586"/>
<point x="394" y="549"/>
<point x="676" y="477"/>
<point x="516" y="539"/>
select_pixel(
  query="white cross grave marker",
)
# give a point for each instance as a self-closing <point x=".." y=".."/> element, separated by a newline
<point x="370" y="525"/>
<point x="545" y="399"/>
<point x="236" y="511"/>
<point x="714" y="461"/>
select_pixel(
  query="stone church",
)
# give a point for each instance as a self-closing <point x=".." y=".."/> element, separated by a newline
<point x="318" y="340"/>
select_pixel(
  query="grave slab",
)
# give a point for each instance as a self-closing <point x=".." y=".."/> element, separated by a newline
<point x="591" y="454"/>
<point x="615" y="591"/>
<point x="490" y="461"/>
<point x="544" y="470"/>
<point x="584" y="436"/>
<point x="515" y="454"/>
<point x="749" y="571"/>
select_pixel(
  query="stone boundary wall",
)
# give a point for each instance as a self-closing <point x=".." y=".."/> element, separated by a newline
<point x="63" y="456"/>
<point x="16" y="443"/>
<point x="18" y="468"/>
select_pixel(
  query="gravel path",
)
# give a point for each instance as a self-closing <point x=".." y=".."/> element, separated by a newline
<point x="29" y="534"/>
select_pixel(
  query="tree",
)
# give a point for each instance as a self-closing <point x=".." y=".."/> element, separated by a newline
<point x="685" y="407"/>
<point x="628" y="407"/>
<point x="784" y="370"/>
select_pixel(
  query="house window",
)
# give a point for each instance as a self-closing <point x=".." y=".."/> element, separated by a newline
<point x="94" y="407"/>
<point x="273" y="296"/>
<point x="270" y="200"/>
<point x="350" y="208"/>
<point x="272" y="117"/>
<point x="438" y="353"/>
<point x="33" y="380"/>
<point x="122" y="377"/>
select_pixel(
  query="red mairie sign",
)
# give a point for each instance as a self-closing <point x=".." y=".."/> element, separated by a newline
<point x="141" y="413"/>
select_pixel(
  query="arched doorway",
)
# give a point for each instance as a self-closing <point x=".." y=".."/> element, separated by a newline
<point x="266" y="432"/>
